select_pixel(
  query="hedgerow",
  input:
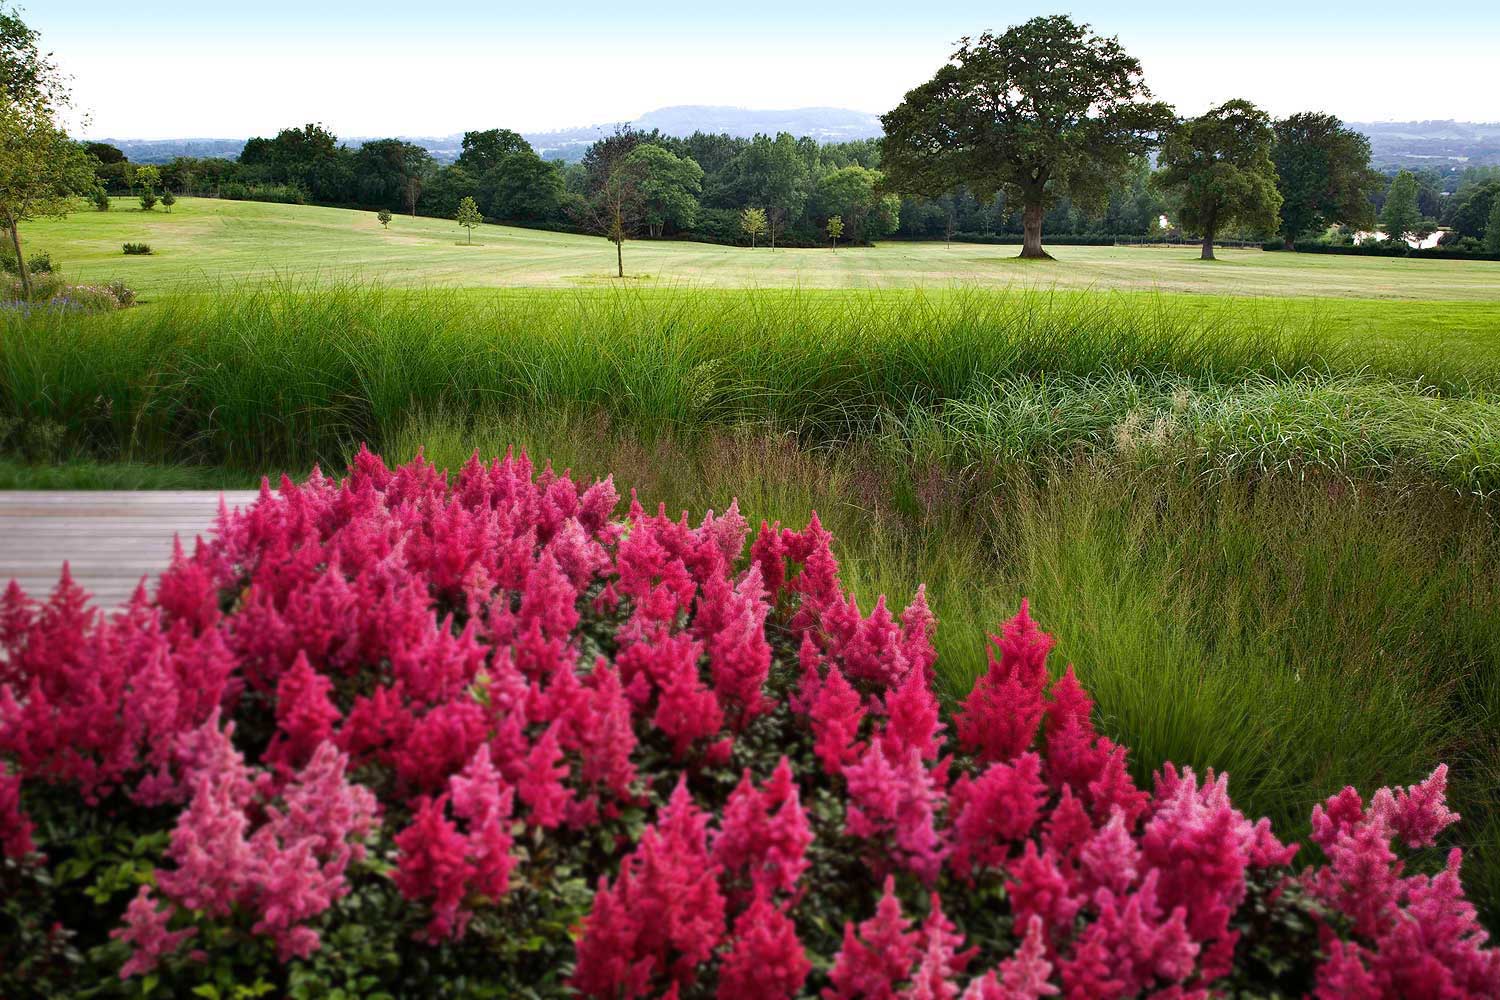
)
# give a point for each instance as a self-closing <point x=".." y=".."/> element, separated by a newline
<point x="410" y="734"/>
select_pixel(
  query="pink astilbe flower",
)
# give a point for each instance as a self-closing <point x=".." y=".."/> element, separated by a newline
<point x="1133" y="943"/>
<point x="1022" y="976"/>
<point x="1413" y="936"/>
<point x="875" y="962"/>
<point x="305" y="716"/>
<point x="450" y="868"/>
<point x="999" y="718"/>
<point x="287" y="870"/>
<point x="1200" y="847"/>
<point x="15" y="825"/>
<point x="894" y="804"/>
<point x="541" y="782"/>
<point x="911" y="711"/>
<point x="145" y="930"/>
<point x="738" y="654"/>
<point x="663" y="915"/>
<point x="942" y="962"/>
<point x="994" y="811"/>
<point x="835" y="714"/>
<point x="765" y="833"/>
<point x="765" y="958"/>
<point x="432" y="865"/>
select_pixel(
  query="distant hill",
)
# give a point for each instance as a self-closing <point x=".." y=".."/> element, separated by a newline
<point x="1432" y="143"/>
<point x="823" y="124"/>
<point x="1395" y="144"/>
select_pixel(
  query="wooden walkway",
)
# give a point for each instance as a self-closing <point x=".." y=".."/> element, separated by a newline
<point x="110" y="539"/>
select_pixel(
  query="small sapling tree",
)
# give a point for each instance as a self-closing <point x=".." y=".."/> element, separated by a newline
<point x="147" y="178"/>
<point x="384" y="216"/>
<point x="168" y="199"/>
<point x="469" y="216"/>
<point x="835" y="230"/>
<point x="753" y="223"/>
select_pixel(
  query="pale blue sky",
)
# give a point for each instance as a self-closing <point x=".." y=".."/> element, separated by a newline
<point x="155" y="68"/>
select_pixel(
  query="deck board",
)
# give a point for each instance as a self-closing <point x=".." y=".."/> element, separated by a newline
<point x="109" y="538"/>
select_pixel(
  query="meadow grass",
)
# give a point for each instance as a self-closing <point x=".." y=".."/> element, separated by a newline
<point x="270" y="376"/>
<point x="203" y="242"/>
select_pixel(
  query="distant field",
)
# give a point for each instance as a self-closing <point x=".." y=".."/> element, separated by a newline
<point x="207" y="240"/>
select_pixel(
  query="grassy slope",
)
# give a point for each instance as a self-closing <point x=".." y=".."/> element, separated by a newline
<point x="204" y="239"/>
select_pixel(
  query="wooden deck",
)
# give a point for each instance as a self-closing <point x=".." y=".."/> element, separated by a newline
<point x="110" y="539"/>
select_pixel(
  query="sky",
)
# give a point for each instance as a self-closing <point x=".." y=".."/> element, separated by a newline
<point x="205" y="68"/>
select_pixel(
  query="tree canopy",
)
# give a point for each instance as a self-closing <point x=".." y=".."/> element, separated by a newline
<point x="668" y="187"/>
<point x="1324" y="175"/>
<point x="483" y="151"/>
<point x="41" y="169"/>
<point x="1219" y="164"/>
<point x="1401" y="217"/>
<point x="1044" y="110"/>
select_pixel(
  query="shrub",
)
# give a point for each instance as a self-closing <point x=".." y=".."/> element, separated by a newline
<point x="137" y="249"/>
<point x="100" y="198"/>
<point x="168" y="199"/>
<point x="39" y="263"/>
<point x="148" y="200"/>
<point x="412" y="734"/>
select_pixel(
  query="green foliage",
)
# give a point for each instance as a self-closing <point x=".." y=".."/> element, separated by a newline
<point x="1324" y="175"/>
<point x="168" y="199"/>
<point x="1471" y="214"/>
<point x="384" y="218"/>
<point x="100" y="198"/>
<point x="667" y="187"/>
<point x="148" y="200"/>
<point x="1044" y="110"/>
<point x="137" y="249"/>
<point x="469" y="216"/>
<point x="42" y="171"/>
<point x="147" y="178"/>
<point x="37" y="264"/>
<point x="835" y="229"/>
<point x="1401" y="217"/>
<point x="773" y="174"/>
<point x="1492" y="228"/>
<point x="484" y="151"/>
<point x="523" y="187"/>
<point x="753" y="223"/>
<point x="1219" y="167"/>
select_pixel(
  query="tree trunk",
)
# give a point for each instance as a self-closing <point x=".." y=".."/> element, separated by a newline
<point x="620" y="258"/>
<point x="1208" y="247"/>
<point x="1031" y="245"/>
<point x="15" y="241"/>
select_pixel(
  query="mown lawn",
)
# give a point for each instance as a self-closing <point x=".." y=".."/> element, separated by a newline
<point x="203" y="240"/>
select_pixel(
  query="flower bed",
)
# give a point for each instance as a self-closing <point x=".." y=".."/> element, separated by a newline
<point x="404" y="735"/>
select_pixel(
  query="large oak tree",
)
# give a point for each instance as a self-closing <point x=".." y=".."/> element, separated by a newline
<point x="1219" y="164"/>
<point x="1324" y="175"/>
<point x="1045" y="110"/>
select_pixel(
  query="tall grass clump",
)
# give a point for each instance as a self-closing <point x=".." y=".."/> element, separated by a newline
<point x="281" y="374"/>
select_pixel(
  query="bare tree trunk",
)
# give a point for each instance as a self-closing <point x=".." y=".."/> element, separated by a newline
<point x="1208" y="247"/>
<point x="1031" y="244"/>
<point x="15" y="241"/>
<point x="620" y="258"/>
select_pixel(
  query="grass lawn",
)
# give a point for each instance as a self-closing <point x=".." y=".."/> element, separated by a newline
<point x="207" y="240"/>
